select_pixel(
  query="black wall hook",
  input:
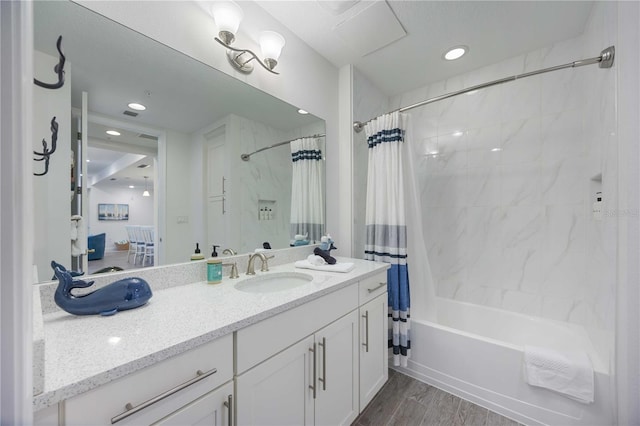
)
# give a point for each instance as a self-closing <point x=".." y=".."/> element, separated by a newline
<point x="58" y="69"/>
<point x="46" y="152"/>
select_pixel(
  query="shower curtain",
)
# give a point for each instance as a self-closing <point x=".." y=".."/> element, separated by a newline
<point x="307" y="204"/>
<point x="386" y="230"/>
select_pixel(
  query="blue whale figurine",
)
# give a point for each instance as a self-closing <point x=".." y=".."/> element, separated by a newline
<point x="127" y="293"/>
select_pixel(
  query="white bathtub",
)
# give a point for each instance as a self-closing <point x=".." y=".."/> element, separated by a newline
<point x="476" y="353"/>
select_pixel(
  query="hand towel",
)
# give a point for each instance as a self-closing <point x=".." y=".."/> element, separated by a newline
<point x="316" y="260"/>
<point x="337" y="267"/>
<point x="569" y="373"/>
<point x="79" y="245"/>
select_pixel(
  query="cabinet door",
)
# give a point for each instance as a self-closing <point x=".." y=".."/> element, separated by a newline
<point x="337" y="372"/>
<point x="214" y="408"/>
<point x="373" y="348"/>
<point x="276" y="392"/>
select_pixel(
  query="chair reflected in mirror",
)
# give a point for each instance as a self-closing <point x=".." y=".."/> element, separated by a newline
<point x="141" y="245"/>
<point x="148" y="246"/>
<point x="133" y="242"/>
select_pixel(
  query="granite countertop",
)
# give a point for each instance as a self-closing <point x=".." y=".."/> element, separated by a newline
<point x="84" y="352"/>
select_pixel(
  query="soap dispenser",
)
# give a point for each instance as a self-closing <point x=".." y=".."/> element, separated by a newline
<point x="196" y="254"/>
<point x="597" y="206"/>
<point x="214" y="253"/>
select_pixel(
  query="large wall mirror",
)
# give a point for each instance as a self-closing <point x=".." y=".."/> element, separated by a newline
<point x="184" y="149"/>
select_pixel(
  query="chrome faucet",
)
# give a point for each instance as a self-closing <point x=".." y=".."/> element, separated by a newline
<point x="229" y="252"/>
<point x="263" y="258"/>
<point x="234" y="269"/>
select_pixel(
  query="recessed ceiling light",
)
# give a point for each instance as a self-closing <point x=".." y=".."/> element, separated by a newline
<point x="88" y="161"/>
<point x="496" y="149"/>
<point x="131" y="186"/>
<point x="455" y="52"/>
<point x="303" y="112"/>
<point x="137" y="106"/>
<point x="458" y="133"/>
<point x="113" y="133"/>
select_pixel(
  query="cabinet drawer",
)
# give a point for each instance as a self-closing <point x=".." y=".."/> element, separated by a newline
<point x="103" y="404"/>
<point x="266" y="338"/>
<point x="372" y="287"/>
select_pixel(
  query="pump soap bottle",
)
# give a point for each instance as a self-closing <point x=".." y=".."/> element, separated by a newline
<point x="196" y="254"/>
<point x="214" y="270"/>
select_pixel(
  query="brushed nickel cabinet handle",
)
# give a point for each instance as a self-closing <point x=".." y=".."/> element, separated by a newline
<point x="366" y="332"/>
<point x="130" y="409"/>
<point x="313" y="387"/>
<point x="324" y="364"/>
<point x="371" y="290"/>
<point x="229" y="404"/>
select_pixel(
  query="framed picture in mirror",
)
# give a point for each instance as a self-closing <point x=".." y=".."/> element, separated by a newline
<point x="113" y="211"/>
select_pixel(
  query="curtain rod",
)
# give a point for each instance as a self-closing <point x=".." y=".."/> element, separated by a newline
<point x="605" y="60"/>
<point x="245" y="157"/>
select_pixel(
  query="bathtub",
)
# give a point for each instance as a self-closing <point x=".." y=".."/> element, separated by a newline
<point x="476" y="352"/>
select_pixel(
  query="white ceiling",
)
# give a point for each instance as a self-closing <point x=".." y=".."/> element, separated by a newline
<point x="493" y="30"/>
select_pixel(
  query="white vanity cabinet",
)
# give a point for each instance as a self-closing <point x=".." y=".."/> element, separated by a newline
<point x="373" y="337"/>
<point x="336" y="374"/>
<point x="318" y="361"/>
<point x="312" y="382"/>
<point x="310" y="376"/>
<point x="175" y="385"/>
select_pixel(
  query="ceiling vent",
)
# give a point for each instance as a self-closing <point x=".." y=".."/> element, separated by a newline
<point x="130" y="113"/>
<point x="371" y="29"/>
<point x="145" y="136"/>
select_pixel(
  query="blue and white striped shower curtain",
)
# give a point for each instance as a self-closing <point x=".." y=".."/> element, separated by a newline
<point x="386" y="226"/>
<point x="307" y="205"/>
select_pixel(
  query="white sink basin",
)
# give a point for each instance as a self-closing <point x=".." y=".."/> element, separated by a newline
<point x="271" y="283"/>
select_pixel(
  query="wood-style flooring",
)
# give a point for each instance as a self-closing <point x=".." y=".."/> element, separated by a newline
<point x="407" y="401"/>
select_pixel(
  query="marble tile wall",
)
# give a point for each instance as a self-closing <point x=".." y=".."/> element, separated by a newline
<point x="264" y="179"/>
<point x="508" y="177"/>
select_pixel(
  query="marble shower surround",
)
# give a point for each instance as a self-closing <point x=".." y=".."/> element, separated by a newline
<point x="508" y="176"/>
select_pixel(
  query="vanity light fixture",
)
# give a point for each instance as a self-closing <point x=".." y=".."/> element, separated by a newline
<point x="227" y="15"/>
<point x="136" y="106"/>
<point x="113" y="132"/>
<point x="455" y="52"/>
<point x="146" y="189"/>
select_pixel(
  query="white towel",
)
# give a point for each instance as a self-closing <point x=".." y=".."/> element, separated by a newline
<point x="569" y="373"/>
<point x="337" y="267"/>
<point x="316" y="260"/>
<point x="79" y="244"/>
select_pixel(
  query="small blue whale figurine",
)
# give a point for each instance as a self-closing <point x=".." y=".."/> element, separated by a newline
<point x="127" y="293"/>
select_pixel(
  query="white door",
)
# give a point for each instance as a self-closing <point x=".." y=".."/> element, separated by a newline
<point x="83" y="194"/>
<point x="277" y="391"/>
<point x="212" y="409"/>
<point x="337" y="372"/>
<point x="215" y="190"/>
<point x="373" y="348"/>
